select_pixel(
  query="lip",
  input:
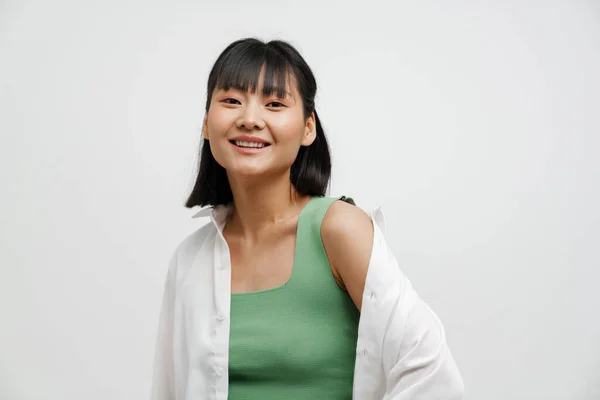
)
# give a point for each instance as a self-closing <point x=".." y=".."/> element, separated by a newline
<point x="251" y="139"/>
<point x="246" y="138"/>
<point x="249" y="150"/>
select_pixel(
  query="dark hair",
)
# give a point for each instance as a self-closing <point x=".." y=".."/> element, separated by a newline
<point x="239" y="66"/>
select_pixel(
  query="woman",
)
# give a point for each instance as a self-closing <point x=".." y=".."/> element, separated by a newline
<point x="286" y="293"/>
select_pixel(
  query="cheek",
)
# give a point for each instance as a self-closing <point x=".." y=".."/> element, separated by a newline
<point x="216" y="123"/>
<point x="288" y="130"/>
<point x="217" y="126"/>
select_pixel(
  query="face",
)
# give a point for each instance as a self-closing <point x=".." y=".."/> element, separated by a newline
<point x="253" y="134"/>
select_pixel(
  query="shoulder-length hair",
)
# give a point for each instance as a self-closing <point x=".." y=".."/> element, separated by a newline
<point x="239" y="66"/>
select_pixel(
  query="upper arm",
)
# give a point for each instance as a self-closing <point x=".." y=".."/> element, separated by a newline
<point x="347" y="234"/>
<point x="163" y="383"/>
<point x="415" y="356"/>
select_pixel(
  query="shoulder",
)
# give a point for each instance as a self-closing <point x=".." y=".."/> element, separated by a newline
<point x="347" y="235"/>
<point x="187" y="250"/>
<point x="345" y="221"/>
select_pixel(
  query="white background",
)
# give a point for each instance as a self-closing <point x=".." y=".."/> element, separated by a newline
<point x="475" y="126"/>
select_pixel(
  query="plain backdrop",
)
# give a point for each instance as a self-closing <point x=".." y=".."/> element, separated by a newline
<point x="475" y="125"/>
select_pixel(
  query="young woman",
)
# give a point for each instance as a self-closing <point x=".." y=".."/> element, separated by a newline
<point x="286" y="293"/>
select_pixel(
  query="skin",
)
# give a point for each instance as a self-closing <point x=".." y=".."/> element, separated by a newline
<point x="261" y="230"/>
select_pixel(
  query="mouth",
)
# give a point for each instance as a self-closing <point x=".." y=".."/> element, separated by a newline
<point x="249" y="145"/>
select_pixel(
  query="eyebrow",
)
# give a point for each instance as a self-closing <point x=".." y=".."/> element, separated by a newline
<point x="286" y="94"/>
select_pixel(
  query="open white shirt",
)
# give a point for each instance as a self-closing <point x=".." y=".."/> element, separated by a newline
<point x="401" y="348"/>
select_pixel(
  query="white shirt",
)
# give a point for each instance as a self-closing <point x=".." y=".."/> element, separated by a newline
<point x="401" y="348"/>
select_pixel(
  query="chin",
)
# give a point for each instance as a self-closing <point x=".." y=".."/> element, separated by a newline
<point x="248" y="171"/>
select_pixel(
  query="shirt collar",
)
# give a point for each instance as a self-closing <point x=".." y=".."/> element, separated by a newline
<point x="205" y="212"/>
<point x="217" y="214"/>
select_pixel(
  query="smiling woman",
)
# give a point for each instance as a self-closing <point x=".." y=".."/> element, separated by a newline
<point x="287" y="293"/>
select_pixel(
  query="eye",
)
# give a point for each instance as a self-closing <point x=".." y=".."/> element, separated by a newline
<point x="275" y="104"/>
<point x="229" y="100"/>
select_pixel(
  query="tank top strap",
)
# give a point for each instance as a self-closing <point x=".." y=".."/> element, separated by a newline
<point x="315" y="212"/>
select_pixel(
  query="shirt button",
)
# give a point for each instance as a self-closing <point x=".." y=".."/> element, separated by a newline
<point x="220" y="317"/>
<point x="219" y="371"/>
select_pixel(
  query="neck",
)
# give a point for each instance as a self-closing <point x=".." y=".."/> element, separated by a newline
<point x="259" y="204"/>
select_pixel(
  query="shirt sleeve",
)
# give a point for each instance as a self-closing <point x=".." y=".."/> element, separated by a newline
<point x="416" y="359"/>
<point x="423" y="367"/>
<point x="163" y="385"/>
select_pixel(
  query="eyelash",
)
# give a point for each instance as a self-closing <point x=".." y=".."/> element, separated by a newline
<point x="231" y="101"/>
<point x="227" y="101"/>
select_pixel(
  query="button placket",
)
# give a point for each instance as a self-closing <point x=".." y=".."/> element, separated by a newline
<point x="220" y="314"/>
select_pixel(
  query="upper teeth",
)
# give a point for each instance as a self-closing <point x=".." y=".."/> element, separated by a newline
<point x="249" y="144"/>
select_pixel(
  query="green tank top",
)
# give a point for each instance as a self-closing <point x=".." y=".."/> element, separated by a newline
<point x="296" y="341"/>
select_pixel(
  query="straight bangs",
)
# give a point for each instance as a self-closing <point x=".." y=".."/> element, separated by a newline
<point x="242" y="68"/>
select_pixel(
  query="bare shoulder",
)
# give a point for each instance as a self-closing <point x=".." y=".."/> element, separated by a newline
<point x="347" y="234"/>
<point x="341" y="216"/>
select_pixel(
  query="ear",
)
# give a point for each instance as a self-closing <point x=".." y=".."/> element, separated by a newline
<point x="310" y="131"/>
<point x="205" y="128"/>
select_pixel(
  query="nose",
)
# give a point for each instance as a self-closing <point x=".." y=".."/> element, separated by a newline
<point x="250" y="118"/>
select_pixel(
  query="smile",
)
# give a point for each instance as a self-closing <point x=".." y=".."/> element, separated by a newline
<point x="246" y="147"/>
<point x="249" y="145"/>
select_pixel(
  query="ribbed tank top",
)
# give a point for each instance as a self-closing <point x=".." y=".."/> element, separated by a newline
<point x="296" y="341"/>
